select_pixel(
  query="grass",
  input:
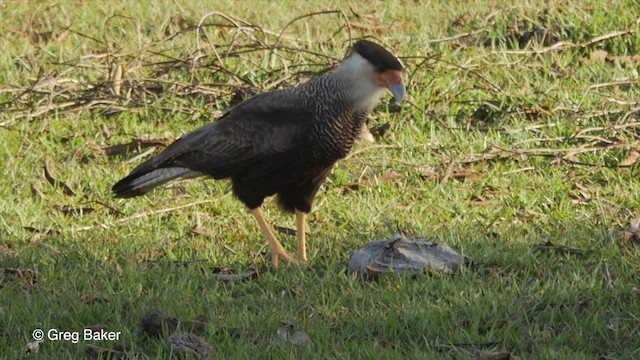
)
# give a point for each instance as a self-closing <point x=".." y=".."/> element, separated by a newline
<point x="509" y="145"/>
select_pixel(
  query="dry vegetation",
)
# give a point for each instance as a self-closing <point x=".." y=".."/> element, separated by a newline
<point x="519" y="146"/>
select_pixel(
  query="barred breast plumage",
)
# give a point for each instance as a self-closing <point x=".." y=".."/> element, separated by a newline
<point x="282" y="142"/>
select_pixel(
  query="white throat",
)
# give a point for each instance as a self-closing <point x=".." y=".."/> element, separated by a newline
<point x="360" y="79"/>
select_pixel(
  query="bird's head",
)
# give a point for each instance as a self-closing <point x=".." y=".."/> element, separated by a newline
<point x="371" y="69"/>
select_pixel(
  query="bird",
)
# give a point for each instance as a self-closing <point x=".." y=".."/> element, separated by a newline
<point x="280" y="143"/>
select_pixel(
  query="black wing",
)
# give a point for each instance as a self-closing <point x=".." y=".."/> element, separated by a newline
<point x="260" y="128"/>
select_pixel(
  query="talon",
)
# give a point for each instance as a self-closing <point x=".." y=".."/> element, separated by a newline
<point x="277" y="251"/>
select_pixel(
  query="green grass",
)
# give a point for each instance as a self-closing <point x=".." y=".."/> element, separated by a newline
<point x="533" y="140"/>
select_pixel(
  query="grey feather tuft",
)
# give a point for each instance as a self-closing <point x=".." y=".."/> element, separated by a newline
<point x="139" y="184"/>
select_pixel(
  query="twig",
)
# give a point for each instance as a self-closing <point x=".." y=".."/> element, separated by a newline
<point x="141" y="155"/>
<point x="27" y="90"/>
<point x="471" y="33"/>
<point x="606" y="274"/>
<point x="448" y="172"/>
<point x="497" y="152"/>
<point x="344" y="16"/>
<point x="528" y="168"/>
<point x="562" y="45"/>
<point x="368" y="148"/>
<point x="213" y="48"/>
<point x="572" y="151"/>
<point x="456" y="37"/>
<point x="144" y="214"/>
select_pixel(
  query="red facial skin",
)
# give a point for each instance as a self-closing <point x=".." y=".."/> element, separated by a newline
<point x="389" y="78"/>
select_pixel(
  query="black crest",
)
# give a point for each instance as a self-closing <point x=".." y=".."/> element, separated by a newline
<point x="377" y="55"/>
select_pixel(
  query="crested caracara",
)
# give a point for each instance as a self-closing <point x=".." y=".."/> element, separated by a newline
<point x="282" y="142"/>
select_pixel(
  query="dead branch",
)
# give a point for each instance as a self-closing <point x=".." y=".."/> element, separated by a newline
<point x="143" y="215"/>
<point x="563" y="45"/>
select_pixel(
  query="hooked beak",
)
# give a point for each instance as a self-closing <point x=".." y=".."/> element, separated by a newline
<point x="392" y="80"/>
<point x="398" y="92"/>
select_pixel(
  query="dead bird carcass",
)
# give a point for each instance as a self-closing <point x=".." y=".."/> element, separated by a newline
<point x="405" y="256"/>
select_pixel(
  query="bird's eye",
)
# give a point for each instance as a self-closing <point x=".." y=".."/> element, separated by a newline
<point x="379" y="69"/>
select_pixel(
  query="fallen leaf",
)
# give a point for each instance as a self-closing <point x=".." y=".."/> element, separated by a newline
<point x="63" y="35"/>
<point x="201" y="230"/>
<point x="631" y="159"/>
<point x="388" y="177"/>
<point x="116" y="79"/>
<point x="631" y="60"/>
<point x="377" y="180"/>
<point x="486" y="196"/>
<point x="74" y="211"/>
<point x="371" y="16"/>
<point x="447" y="172"/>
<point x="106" y="132"/>
<point x="598" y="55"/>
<point x="57" y="184"/>
<point x="297" y="290"/>
<point x="428" y="172"/>
<point x="285" y="230"/>
<point x="47" y="36"/>
<point x="461" y="20"/>
<point x="632" y="234"/>
<point x="467" y="175"/>
<point x="41" y="36"/>
<point x="480" y="200"/>
<point x="27" y="276"/>
<point x="582" y="196"/>
<point x="557" y="72"/>
<point x="6" y="251"/>
<point x="35" y="192"/>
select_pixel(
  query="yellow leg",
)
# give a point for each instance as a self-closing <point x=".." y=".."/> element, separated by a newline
<point x="277" y="251"/>
<point x="302" y="246"/>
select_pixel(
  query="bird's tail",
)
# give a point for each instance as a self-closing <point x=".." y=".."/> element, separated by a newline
<point x="141" y="182"/>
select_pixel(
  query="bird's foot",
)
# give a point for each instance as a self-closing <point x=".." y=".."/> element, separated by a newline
<point x="279" y="254"/>
<point x="302" y="257"/>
